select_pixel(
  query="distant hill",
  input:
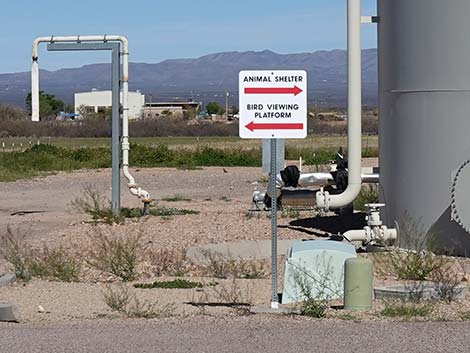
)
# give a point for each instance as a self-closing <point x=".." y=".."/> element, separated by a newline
<point x="205" y="78"/>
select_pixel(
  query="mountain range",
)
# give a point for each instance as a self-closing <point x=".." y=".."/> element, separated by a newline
<point x="204" y="79"/>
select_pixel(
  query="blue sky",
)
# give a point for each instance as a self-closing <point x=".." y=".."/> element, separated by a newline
<point x="160" y="29"/>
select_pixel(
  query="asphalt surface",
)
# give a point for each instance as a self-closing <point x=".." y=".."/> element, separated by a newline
<point x="236" y="335"/>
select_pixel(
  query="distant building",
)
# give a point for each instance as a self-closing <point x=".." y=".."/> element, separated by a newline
<point x="97" y="101"/>
<point x="175" y="109"/>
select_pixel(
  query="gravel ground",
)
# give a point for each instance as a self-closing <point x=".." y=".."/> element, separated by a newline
<point x="222" y="195"/>
<point x="242" y="334"/>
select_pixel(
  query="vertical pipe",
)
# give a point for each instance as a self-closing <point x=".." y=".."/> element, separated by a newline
<point x="354" y="95"/>
<point x="116" y="138"/>
<point x="325" y="200"/>
<point x="275" y="299"/>
<point x="35" y="90"/>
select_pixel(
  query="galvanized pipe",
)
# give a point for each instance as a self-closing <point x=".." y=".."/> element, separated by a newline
<point x="319" y="179"/>
<point x="324" y="199"/>
<point x="133" y="187"/>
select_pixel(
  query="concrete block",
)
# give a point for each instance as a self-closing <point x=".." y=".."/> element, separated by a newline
<point x="420" y="290"/>
<point x="9" y="313"/>
<point x="7" y="279"/>
<point x="244" y="250"/>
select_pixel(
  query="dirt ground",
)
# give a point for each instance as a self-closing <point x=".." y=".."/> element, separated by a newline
<point x="40" y="209"/>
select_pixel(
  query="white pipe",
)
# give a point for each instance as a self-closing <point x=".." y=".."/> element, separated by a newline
<point x="368" y="234"/>
<point x="324" y="199"/>
<point x="35" y="91"/>
<point x="355" y="235"/>
<point x="320" y="179"/>
<point x="133" y="187"/>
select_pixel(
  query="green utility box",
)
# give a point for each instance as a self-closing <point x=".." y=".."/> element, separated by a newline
<point x="316" y="266"/>
<point x="358" y="277"/>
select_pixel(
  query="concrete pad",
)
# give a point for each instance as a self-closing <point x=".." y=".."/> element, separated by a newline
<point x="9" y="313"/>
<point x="279" y="311"/>
<point x="420" y="290"/>
<point x="7" y="279"/>
<point x="244" y="250"/>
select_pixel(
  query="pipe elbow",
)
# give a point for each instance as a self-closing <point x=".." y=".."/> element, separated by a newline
<point x="125" y="44"/>
<point x="327" y="201"/>
<point x="140" y="193"/>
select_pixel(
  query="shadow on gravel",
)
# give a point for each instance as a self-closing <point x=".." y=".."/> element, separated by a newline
<point x="325" y="226"/>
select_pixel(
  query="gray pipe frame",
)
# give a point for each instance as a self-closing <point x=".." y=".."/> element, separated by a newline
<point x="116" y="102"/>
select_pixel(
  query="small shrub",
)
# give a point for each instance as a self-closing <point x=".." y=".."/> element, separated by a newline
<point x="407" y="311"/>
<point x="175" y="284"/>
<point x="94" y="203"/>
<point x="57" y="264"/>
<point x="314" y="308"/>
<point x="116" y="255"/>
<point x="118" y="299"/>
<point x="167" y="262"/>
<point x="233" y="295"/>
<point x="446" y="283"/>
<point x="122" y="301"/>
<point x="313" y="290"/>
<point x="16" y="253"/>
<point x="45" y="263"/>
<point x="416" y="264"/>
<point x="219" y="266"/>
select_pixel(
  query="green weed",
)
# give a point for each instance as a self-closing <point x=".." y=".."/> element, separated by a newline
<point x="407" y="311"/>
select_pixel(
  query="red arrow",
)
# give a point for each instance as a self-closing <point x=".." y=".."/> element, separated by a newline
<point x="274" y="126"/>
<point x="273" y="90"/>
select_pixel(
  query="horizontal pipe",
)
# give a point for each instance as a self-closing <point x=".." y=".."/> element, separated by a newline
<point x="368" y="234"/>
<point x="320" y="179"/>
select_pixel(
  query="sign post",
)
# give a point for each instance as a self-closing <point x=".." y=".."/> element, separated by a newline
<point x="273" y="105"/>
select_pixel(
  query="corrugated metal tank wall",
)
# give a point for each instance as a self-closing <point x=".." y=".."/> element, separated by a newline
<point x="424" y="97"/>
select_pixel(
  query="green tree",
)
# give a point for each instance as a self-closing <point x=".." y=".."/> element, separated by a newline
<point x="214" y="108"/>
<point x="49" y="105"/>
<point x="234" y="109"/>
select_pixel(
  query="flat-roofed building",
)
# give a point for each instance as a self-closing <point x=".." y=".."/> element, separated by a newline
<point x="98" y="101"/>
<point x="163" y="109"/>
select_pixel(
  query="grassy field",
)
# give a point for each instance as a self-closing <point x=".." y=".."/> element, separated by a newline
<point x="312" y="142"/>
<point x="25" y="158"/>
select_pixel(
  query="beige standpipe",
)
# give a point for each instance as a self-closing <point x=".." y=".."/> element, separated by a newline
<point x="358" y="278"/>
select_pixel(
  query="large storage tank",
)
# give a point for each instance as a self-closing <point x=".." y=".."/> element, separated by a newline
<point x="424" y="90"/>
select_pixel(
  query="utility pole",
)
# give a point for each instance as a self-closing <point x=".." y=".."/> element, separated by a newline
<point x="226" y="105"/>
<point x="150" y="105"/>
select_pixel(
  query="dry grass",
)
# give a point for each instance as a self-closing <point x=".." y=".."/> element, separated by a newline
<point x="235" y="294"/>
<point x="167" y="262"/>
<point x="117" y="255"/>
<point x="121" y="300"/>
<point x="27" y="262"/>
<point x="218" y="266"/>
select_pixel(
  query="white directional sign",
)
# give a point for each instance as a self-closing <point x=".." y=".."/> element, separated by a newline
<point x="273" y="104"/>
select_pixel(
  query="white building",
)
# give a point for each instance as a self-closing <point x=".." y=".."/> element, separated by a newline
<point x="98" y="101"/>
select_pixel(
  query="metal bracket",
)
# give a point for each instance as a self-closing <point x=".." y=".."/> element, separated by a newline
<point x="370" y="19"/>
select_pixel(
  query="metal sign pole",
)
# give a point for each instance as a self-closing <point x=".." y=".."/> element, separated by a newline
<point x="274" y="298"/>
